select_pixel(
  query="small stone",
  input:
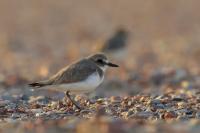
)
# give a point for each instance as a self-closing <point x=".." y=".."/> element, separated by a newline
<point x="80" y="98"/>
<point x="198" y="115"/>
<point x="24" y="97"/>
<point x="170" y="115"/>
<point x="198" y="100"/>
<point x="115" y="99"/>
<point x="182" y="104"/>
<point x="189" y="112"/>
<point x="100" y="101"/>
<point x="11" y="106"/>
<point x="129" y="103"/>
<point x="124" y="114"/>
<point x="38" y="114"/>
<point x="156" y="104"/>
<point x="85" y="111"/>
<point x="182" y="118"/>
<point x="36" y="110"/>
<point x="143" y="115"/>
<point x="35" y="106"/>
<point x="159" y="106"/>
<point x="129" y="113"/>
<point x="156" y="101"/>
<point x="178" y="99"/>
<point x="182" y="111"/>
<point x="49" y="113"/>
<point x="42" y="100"/>
<point x="138" y="109"/>
<point x="15" y="116"/>
<point x="142" y="99"/>
<point x="53" y="104"/>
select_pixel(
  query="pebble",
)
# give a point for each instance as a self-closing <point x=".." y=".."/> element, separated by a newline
<point x="15" y="116"/>
<point x="115" y="99"/>
<point x="198" y="115"/>
<point x="142" y="115"/>
<point x="129" y="103"/>
<point x="182" y="118"/>
<point x="4" y="103"/>
<point x="36" y="110"/>
<point x="100" y="101"/>
<point x="24" y="97"/>
<point x="178" y="99"/>
<point x="129" y="113"/>
<point x="54" y="104"/>
<point x="85" y="111"/>
<point x="158" y="106"/>
<point x="182" y="111"/>
<point x="38" y="114"/>
<point x="40" y="99"/>
<point x="182" y="104"/>
<point x="170" y="115"/>
<point x="11" y="106"/>
<point x="153" y="101"/>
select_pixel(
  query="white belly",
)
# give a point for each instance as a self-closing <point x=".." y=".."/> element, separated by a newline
<point x="90" y="84"/>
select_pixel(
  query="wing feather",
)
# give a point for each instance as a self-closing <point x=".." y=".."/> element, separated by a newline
<point x="74" y="73"/>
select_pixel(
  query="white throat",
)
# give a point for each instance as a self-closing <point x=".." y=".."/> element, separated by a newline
<point x="104" y="68"/>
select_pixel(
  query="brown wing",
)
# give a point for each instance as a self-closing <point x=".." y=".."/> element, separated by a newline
<point x="75" y="72"/>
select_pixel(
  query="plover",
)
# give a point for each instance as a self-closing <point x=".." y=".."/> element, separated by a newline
<point x="83" y="76"/>
<point x="115" y="46"/>
<point x="116" y="42"/>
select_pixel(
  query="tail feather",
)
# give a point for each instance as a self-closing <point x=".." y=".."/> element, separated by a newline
<point x="37" y="84"/>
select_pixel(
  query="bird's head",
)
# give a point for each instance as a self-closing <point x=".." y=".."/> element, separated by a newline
<point x="102" y="61"/>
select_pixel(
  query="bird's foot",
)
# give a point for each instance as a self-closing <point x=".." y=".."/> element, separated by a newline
<point x="73" y="102"/>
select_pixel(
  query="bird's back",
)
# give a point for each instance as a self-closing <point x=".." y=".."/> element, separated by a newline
<point x="76" y="72"/>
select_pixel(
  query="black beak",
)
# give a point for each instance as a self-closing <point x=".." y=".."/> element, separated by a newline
<point x="111" y="64"/>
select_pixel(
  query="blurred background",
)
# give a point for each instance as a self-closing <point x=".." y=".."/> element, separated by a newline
<point x="155" y="42"/>
<point x="37" y="38"/>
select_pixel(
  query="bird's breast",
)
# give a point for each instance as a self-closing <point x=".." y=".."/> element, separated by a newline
<point x="85" y="86"/>
<point x="94" y="80"/>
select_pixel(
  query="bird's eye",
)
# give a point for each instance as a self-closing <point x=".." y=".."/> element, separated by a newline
<point x="100" y="61"/>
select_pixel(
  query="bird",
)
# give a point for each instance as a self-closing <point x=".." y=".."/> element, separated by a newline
<point x="82" y="76"/>
<point x="116" y="42"/>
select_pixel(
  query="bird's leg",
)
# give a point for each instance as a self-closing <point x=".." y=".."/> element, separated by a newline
<point x="73" y="102"/>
